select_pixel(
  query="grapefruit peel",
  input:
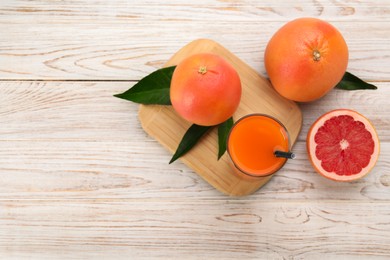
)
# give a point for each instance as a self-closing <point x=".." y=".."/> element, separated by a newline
<point x="349" y="148"/>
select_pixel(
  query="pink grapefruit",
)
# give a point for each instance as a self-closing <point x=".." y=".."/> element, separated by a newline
<point x="343" y="145"/>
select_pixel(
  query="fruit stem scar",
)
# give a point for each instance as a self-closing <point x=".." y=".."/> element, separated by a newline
<point x="316" y="55"/>
<point x="344" y="144"/>
<point x="202" y="70"/>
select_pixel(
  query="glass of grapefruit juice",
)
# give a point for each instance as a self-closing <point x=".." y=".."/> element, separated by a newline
<point x="258" y="146"/>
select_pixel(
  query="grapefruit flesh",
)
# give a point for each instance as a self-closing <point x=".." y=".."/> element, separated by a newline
<point x="343" y="145"/>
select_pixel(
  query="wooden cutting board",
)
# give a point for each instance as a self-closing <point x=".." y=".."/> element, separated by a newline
<point x="258" y="96"/>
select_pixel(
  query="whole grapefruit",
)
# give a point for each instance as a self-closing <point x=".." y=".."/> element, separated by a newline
<point x="305" y="59"/>
<point x="343" y="145"/>
<point x="205" y="89"/>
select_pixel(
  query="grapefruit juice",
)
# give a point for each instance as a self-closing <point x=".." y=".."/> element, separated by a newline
<point x="252" y="143"/>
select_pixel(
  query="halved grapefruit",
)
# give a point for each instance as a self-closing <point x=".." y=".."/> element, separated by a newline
<point x="343" y="145"/>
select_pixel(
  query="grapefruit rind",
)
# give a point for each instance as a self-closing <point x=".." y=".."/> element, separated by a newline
<point x="305" y="59"/>
<point x="205" y="89"/>
<point x="311" y="145"/>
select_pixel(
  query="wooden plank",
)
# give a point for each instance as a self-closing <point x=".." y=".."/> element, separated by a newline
<point x="212" y="229"/>
<point x="74" y="139"/>
<point x="87" y="111"/>
<point x="48" y="170"/>
<point x="123" y="41"/>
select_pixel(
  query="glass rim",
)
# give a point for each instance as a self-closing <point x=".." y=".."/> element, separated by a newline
<point x="257" y="115"/>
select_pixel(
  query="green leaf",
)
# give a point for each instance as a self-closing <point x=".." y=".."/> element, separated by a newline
<point x="152" y="89"/>
<point x="351" y="82"/>
<point x="223" y="132"/>
<point x="190" y="138"/>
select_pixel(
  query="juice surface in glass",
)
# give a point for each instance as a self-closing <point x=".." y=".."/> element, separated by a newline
<point x="252" y="142"/>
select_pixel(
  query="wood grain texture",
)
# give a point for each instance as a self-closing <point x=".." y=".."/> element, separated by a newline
<point x="258" y="96"/>
<point x="125" y="40"/>
<point x="80" y="179"/>
<point x="192" y="230"/>
<point x="74" y="139"/>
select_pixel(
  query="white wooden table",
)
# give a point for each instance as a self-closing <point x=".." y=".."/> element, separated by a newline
<point x="80" y="179"/>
